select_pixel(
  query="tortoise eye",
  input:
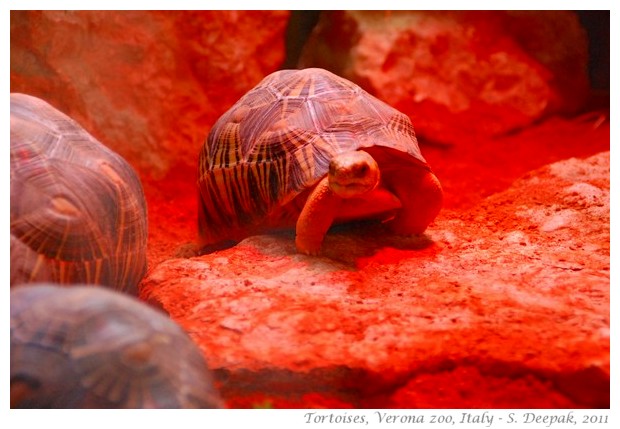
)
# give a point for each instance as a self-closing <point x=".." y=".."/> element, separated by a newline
<point x="332" y="168"/>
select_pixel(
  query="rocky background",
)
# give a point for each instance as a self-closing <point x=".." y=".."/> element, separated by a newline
<point x="504" y="302"/>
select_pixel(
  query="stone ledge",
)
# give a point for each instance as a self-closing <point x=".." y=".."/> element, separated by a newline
<point x="516" y="288"/>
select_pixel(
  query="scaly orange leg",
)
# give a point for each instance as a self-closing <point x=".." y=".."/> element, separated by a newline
<point x="316" y="217"/>
<point x="421" y="195"/>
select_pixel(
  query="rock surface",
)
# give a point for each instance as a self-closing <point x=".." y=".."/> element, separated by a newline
<point x="505" y="305"/>
<point x="457" y="73"/>
<point x="148" y="84"/>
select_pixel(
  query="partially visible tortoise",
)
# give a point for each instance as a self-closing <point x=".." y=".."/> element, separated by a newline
<point x="78" y="212"/>
<point x="92" y="347"/>
<point x="307" y="148"/>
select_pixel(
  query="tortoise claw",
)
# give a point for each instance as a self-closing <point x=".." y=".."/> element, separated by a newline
<point x="307" y="246"/>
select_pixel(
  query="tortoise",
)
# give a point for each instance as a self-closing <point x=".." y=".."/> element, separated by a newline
<point x="78" y="211"/>
<point x="87" y="346"/>
<point x="307" y="148"/>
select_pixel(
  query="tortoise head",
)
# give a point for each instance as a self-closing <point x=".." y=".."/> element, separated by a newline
<point x="352" y="174"/>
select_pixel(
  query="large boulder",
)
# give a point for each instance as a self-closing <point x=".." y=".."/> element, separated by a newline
<point x="459" y="73"/>
<point x="511" y="297"/>
<point x="148" y="84"/>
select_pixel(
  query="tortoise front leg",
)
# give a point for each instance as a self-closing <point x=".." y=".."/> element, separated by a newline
<point x="316" y="217"/>
<point x="421" y="195"/>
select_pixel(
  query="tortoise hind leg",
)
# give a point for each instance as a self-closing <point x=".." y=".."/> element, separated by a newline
<point x="421" y="195"/>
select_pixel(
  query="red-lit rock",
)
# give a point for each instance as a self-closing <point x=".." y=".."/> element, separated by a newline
<point x="511" y="296"/>
<point x="148" y="84"/>
<point x="458" y="73"/>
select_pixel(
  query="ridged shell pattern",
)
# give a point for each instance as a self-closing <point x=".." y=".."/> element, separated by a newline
<point x="78" y="212"/>
<point x="277" y="141"/>
<point x="90" y="347"/>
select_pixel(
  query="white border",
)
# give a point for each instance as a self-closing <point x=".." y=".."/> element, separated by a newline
<point x="286" y="418"/>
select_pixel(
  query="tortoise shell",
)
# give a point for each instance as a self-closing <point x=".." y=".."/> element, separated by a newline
<point x="92" y="347"/>
<point x="264" y="154"/>
<point x="78" y="212"/>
